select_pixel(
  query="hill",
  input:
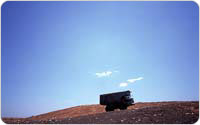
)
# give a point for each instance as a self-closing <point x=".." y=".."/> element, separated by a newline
<point x="148" y="112"/>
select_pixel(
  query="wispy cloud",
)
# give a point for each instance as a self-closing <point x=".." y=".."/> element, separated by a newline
<point x="123" y="84"/>
<point x="103" y="74"/>
<point x="117" y="71"/>
<point x="134" y="80"/>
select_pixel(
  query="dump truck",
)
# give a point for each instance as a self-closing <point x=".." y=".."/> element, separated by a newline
<point x="117" y="100"/>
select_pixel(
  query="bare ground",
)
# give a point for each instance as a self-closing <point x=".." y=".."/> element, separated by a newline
<point x="140" y="113"/>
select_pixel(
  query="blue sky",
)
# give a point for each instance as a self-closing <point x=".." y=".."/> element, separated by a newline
<point x="61" y="54"/>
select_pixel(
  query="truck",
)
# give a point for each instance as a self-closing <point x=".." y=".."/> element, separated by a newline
<point x="117" y="100"/>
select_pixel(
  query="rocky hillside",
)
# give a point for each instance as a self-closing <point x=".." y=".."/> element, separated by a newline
<point x="151" y="112"/>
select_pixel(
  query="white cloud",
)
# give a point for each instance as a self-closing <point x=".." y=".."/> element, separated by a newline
<point x="103" y="74"/>
<point x="134" y="80"/>
<point x="123" y="84"/>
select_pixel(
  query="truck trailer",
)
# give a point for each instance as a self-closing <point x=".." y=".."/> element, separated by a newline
<point x="117" y="100"/>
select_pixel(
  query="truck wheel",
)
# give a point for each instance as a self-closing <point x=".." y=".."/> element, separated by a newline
<point x="123" y="108"/>
<point x="109" y="108"/>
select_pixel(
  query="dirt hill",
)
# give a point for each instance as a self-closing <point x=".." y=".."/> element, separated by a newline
<point x="151" y="112"/>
